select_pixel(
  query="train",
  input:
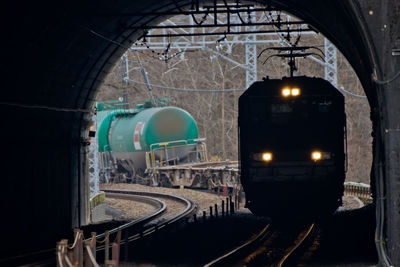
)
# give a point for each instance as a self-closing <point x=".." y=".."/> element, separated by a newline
<point x="292" y="147"/>
<point x="159" y="145"/>
<point x="152" y="134"/>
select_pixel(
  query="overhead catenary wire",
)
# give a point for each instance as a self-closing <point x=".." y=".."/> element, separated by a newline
<point x="350" y="93"/>
<point x="149" y="86"/>
<point x="20" y="105"/>
<point x="220" y="91"/>
<point x="189" y="90"/>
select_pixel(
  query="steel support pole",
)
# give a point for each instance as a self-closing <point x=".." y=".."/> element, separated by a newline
<point x="330" y="63"/>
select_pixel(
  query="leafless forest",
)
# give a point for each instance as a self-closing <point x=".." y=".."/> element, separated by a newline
<point x="216" y="112"/>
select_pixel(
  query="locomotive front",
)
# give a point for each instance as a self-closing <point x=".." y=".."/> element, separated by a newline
<point x="292" y="147"/>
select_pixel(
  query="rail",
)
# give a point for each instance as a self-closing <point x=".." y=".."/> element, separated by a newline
<point x="297" y="244"/>
<point x="241" y="250"/>
<point x="279" y="243"/>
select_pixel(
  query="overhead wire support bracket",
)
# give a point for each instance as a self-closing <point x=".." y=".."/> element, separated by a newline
<point x="221" y="33"/>
<point x="188" y="12"/>
<point x="178" y="26"/>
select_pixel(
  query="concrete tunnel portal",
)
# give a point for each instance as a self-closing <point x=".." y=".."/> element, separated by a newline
<point x="67" y="49"/>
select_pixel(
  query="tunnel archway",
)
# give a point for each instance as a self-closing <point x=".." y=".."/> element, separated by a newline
<point x="67" y="52"/>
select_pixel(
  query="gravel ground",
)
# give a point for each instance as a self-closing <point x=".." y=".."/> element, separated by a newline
<point x="204" y="200"/>
<point x="131" y="209"/>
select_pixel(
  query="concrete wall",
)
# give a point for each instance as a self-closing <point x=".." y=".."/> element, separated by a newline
<point x="55" y="59"/>
<point x="383" y="20"/>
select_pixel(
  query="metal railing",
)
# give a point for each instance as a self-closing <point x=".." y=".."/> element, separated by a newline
<point x="176" y="152"/>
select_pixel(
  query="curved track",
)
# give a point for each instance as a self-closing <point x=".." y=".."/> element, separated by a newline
<point x="146" y="229"/>
<point x="160" y="205"/>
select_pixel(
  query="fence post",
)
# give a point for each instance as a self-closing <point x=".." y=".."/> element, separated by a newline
<point x="86" y="257"/>
<point x="106" y="246"/>
<point x="126" y="244"/>
<point x="76" y="248"/>
<point x="80" y="246"/>
<point x="236" y="201"/>
<point x="227" y="206"/>
<point x="204" y="216"/>
<point x="211" y="213"/>
<point x="60" y="254"/>
<point x="93" y="244"/>
<point x="115" y="253"/>
<point x="64" y="242"/>
<point x="109" y="263"/>
<point x="232" y="205"/>
<point x="216" y="210"/>
<point x="71" y="256"/>
<point x="119" y="237"/>
<point x="223" y="208"/>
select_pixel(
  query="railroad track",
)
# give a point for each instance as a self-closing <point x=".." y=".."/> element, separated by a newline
<point x="160" y="206"/>
<point x="272" y="246"/>
<point x="145" y="228"/>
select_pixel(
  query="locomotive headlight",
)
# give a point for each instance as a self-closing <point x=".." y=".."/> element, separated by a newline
<point x="295" y="91"/>
<point x="286" y="92"/>
<point x="316" y="155"/>
<point x="267" y="156"/>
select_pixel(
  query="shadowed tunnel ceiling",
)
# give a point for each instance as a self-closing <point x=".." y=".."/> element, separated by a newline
<point x="56" y="55"/>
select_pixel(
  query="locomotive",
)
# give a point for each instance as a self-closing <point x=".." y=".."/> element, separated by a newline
<point x="292" y="143"/>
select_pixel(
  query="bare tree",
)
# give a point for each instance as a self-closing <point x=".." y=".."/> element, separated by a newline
<point x="216" y="112"/>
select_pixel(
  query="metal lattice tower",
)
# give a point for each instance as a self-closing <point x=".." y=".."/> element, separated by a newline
<point x="125" y="77"/>
<point x="330" y="62"/>
<point x="94" y="162"/>
<point x="251" y="57"/>
<point x="251" y="53"/>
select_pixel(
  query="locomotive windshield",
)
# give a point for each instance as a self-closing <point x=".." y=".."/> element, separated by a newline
<point x="293" y="121"/>
<point x="303" y="111"/>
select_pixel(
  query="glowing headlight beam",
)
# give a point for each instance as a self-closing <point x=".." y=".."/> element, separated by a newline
<point x="316" y="155"/>
<point x="267" y="156"/>
<point x="286" y="92"/>
<point x="295" y="91"/>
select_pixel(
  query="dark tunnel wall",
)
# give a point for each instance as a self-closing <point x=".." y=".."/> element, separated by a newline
<point x="54" y="61"/>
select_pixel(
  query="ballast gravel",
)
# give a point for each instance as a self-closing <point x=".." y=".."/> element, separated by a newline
<point x="204" y="200"/>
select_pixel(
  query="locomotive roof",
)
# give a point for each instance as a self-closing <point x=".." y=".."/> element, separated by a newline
<point x="310" y="86"/>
